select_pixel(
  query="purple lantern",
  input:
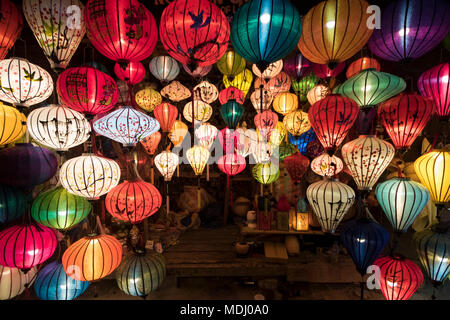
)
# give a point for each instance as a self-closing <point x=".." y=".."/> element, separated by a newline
<point x="297" y="66"/>
<point x="410" y="28"/>
<point x="323" y="72"/>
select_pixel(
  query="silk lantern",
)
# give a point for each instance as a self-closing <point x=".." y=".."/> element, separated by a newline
<point x="297" y="66"/>
<point x="399" y="277"/>
<point x="14" y="281"/>
<point x="228" y="139"/>
<point x="89" y="176"/>
<point x="261" y="99"/>
<point x="271" y="70"/>
<point x="147" y="99"/>
<point x="432" y="170"/>
<point x="133" y="73"/>
<point x="277" y="135"/>
<point x="266" y="173"/>
<point x="195" y="33"/>
<point x="296" y="165"/>
<point x="317" y="93"/>
<point x="151" y="142"/>
<point x="198" y="157"/>
<point x="13" y="203"/>
<point x="13" y="124"/>
<point x="231" y="64"/>
<point x="296" y="122"/>
<point x="285" y="102"/>
<point x="24" y="84"/>
<point x="165" y="114"/>
<point x="206" y="91"/>
<point x="175" y="91"/>
<point x="231" y="164"/>
<point x="231" y="93"/>
<point x="301" y="141"/>
<point x="334" y="31"/>
<point x="262" y="152"/>
<point x="206" y="134"/>
<point x="52" y="283"/>
<point x="401" y="39"/>
<point x="242" y="81"/>
<point x="361" y="64"/>
<point x="275" y="85"/>
<point x="246" y="141"/>
<point x="178" y="132"/>
<point x="92" y="257"/>
<point x="324" y="72"/>
<point x="304" y="85"/>
<point x="123" y="31"/>
<point x="198" y="72"/>
<point x="435" y="84"/>
<point x="202" y="111"/>
<point x="402" y="200"/>
<point x="232" y="113"/>
<point x="326" y="165"/>
<point x="10" y="26"/>
<point x="166" y="162"/>
<point x="164" y="68"/>
<point x="265" y="122"/>
<point x="330" y="201"/>
<point x="367" y="157"/>
<point x="58" y="127"/>
<point x="404" y="117"/>
<point x="87" y="90"/>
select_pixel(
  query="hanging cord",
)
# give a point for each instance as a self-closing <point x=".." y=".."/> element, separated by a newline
<point x="362" y="288"/>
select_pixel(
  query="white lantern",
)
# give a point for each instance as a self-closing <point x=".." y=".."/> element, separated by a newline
<point x="317" y="93"/>
<point x="164" y="68"/>
<point x="202" y="111"/>
<point x="206" y="91"/>
<point x="267" y="99"/>
<point x="13" y="281"/>
<point x="198" y="158"/>
<point x="271" y="71"/>
<point x="326" y="165"/>
<point x="175" y="91"/>
<point x="24" y="84"/>
<point x="58" y="127"/>
<point x="262" y="152"/>
<point x="246" y="141"/>
<point x="89" y="176"/>
<point x="206" y="134"/>
<point x="330" y="201"/>
<point x="166" y="162"/>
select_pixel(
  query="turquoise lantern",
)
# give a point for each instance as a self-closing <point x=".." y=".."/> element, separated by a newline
<point x="232" y="113"/>
<point x="265" y="31"/>
<point x="13" y="203"/>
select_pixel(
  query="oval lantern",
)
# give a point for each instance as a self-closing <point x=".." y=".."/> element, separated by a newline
<point x="296" y="122"/>
<point x="14" y="281"/>
<point x="271" y="70"/>
<point x="175" y="91"/>
<point x="13" y="124"/>
<point x="304" y="85"/>
<point x="231" y="164"/>
<point x="297" y="66"/>
<point x="280" y="83"/>
<point x="164" y="68"/>
<point x="165" y="114"/>
<point x="266" y="173"/>
<point x="296" y="165"/>
<point x="198" y="157"/>
<point x="199" y="71"/>
<point x="285" y="102"/>
<point x="317" y="93"/>
<point x="323" y="72"/>
<point x="147" y="99"/>
<point x="330" y="201"/>
<point x="166" y="162"/>
<point x="178" y="132"/>
<point x="92" y="257"/>
<point x="151" y="142"/>
<point x="206" y="134"/>
<point x="435" y="84"/>
<point x="242" y="81"/>
<point x="202" y="111"/>
<point x="361" y="64"/>
<point x="261" y="103"/>
<point x="326" y="165"/>
<point x="231" y="64"/>
<point x="265" y="122"/>
<point x="232" y="113"/>
<point x="10" y="26"/>
<point x="123" y="31"/>
<point x="206" y="91"/>
<point x="133" y="73"/>
<point x="301" y="141"/>
<point x="231" y="93"/>
<point x="13" y="203"/>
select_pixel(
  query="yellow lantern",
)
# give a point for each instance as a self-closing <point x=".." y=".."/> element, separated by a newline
<point x="433" y="170"/>
<point x="317" y="93"/>
<point x="271" y="71"/>
<point x="12" y="124"/>
<point x="147" y="99"/>
<point x="267" y="99"/>
<point x="198" y="157"/>
<point x="202" y="111"/>
<point x="285" y="102"/>
<point x="276" y="135"/>
<point x="178" y="132"/>
<point x="231" y="64"/>
<point x="242" y="81"/>
<point x="301" y="221"/>
<point x="296" y="122"/>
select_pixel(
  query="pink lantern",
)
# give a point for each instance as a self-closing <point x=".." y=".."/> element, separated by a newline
<point x="231" y="93"/>
<point x="231" y="164"/>
<point x="229" y="139"/>
<point x="166" y="114"/>
<point x="326" y="165"/>
<point x="280" y="83"/>
<point x="265" y="122"/>
<point x="435" y="83"/>
<point x="322" y="70"/>
<point x="199" y="71"/>
<point x="133" y="73"/>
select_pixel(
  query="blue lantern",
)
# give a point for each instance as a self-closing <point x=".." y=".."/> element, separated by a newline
<point x="301" y="141"/>
<point x="13" y="203"/>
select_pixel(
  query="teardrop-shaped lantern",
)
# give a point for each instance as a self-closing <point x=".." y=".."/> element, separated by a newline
<point x="198" y="72"/>
<point x="202" y="111"/>
<point x="324" y="72"/>
<point x="166" y="114"/>
<point x="13" y="203"/>
<point x="10" y="27"/>
<point x="266" y="173"/>
<point x="206" y="134"/>
<point x="271" y="70"/>
<point x="166" y="162"/>
<point x="151" y="142"/>
<point x="361" y="64"/>
<point x="326" y="165"/>
<point x="297" y="66"/>
<point x="178" y="132"/>
<point x="317" y="93"/>
<point x="198" y="157"/>
<point x="231" y="64"/>
<point x="285" y="102"/>
<point x="164" y="68"/>
<point x="242" y="81"/>
<point x="232" y="113"/>
<point x="231" y="93"/>
<point x="13" y="124"/>
<point x="296" y="165"/>
<point x="147" y="99"/>
<point x="261" y="103"/>
<point x="296" y="122"/>
<point x="301" y="141"/>
<point x="435" y="84"/>
<point x="132" y="73"/>
<point x="206" y="91"/>
<point x="231" y="164"/>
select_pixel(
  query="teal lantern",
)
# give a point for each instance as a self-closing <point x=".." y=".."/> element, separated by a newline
<point x="59" y="209"/>
<point x="13" y="203"/>
<point x="232" y="113"/>
<point x="265" y="31"/>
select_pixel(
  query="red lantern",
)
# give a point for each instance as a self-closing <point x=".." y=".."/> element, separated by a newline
<point x="11" y="26"/>
<point x="231" y="164"/>
<point x="404" y="117"/>
<point x="231" y="93"/>
<point x="132" y="74"/>
<point x="87" y="90"/>
<point x="151" y="142"/>
<point x="331" y="119"/>
<point x="322" y="70"/>
<point x="194" y="32"/>
<point x="296" y="166"/>
<point x="198" y="72"/>
<point x="265" y="122"/>
<point x="133" y="201"/>
<point x="362" y="64"/>
<point x="122" y="30"/>
<point x="229" y="139"/>
<point x="166" y="114"/>
<point x="435" y="84"/>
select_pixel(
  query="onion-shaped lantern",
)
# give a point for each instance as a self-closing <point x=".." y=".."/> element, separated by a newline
<point x="435" y="84"/>
<point x="334" y="31"/>
<point x="13" y="203"/>
<point x="330" y="201"/>
<point x="302" y="86"/>
<point x="151" y="142"/>
<point x="166" y="114"/>
<point x="59" y="209"/>
<point x="296" y="165"/>
<point x="178" y="132"/>
<point x="296" y="122"/>
<point x="361" y="64"/>
<point x="175" y="91"/>
<point x="58" y="127"/>
<point x="404" y="118"/>
<point x="52" y="283"/>
<point x="242" y="81"/>
<point x="231" y="64"/>
<point x="266" y="173"/>
<point x="122" y="31"/>
<point x="326" y="165"/>
<point x="367" y="157"/>
<point x="324" y="72"/>
<point x="92" y="257"/>
<point x="285" y="102"/>
<point x="164" y="68"/>
<point x="265" y="122"/>
<point x="280" y="83"/>
<point x="132" y="73"/>
<point x="24" y="84"/>
<point x="317" y="93"/>
<point x="10" y="26"/>
<point x="206" y="134"/>
<point x="232" y="113"/>
<point x="202" y="111"/>
<point x="206" y="92"/>
<point x="14" y="281"/>
<point x="166" y="162"/>
<point x="301" y="141"/>
<point x="13" y="124"/>
<point x="271" y="70"/>
<point x="297" y="66"/>
<point x="147" y="99"/>
<point x="261" y="101"/>
<point x="231" y="164"/>
<point x="231" y="93"/>
<point x="198" y="72"/>
<point x="198" y="158"/>
<point x="89" y="176"/>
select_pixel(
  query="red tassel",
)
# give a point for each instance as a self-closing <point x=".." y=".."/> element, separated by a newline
<point x="231" y="192"/>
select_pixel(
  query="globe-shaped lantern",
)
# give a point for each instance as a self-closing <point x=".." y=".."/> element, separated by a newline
<point x="285" y="102"/>
<point x="231" y="64"/>
<point x="231" y="93"/>
<point x="330" y="201"/>
<point x="302" y="86"/>
<point x="151" y="142"/>
<point x="271" y="70"/>
<point x="334" y="31"/>
<point x="52" y="283"/>
<point x="266" y="173"/>
<point x="367" y="157"/>
<point x="89" y="176"/>
<point x="178" y="132"/>
<point x="175" y="91"/>
<point x="10" y="26"/>
<point x="24" y="84"/>
<point x="202" y="111"/>
<point x="296" y="165"/>
<point x="326" y="165"/>
<point x="435" y="84"/>
<point x="206" y="92"/>
<point x="123" y="31"/>
<point x="317" y="93"/>
<point x="280" y="83"/>
<point x="13" y="203"/>
<point x="296" y="122"/>
<point x="232" y="113"/>
<point x="265" y="122"/>
<point x="324" y="72"/>
<point x="231" y="164"/>
<point x="261" y="99"/>
<point x="59" y="209"/>
<point x="361" y="64"/>
<point x="166" y="162"/>
<point x="206" y="134"/>
<point x="301" y="141"/>
<point x="141" y="273"/>
<point x="58" y="127"/>
<point x="195" y="33"/>
<point x="164" y="68"/>
<point x="297" y="66"/>
<point x="198" y="158"/>
<point x="242" y="81"/>
<point x="401" y="39"/>
<point x="87" y="90"/>
<point x="24" y="246"/>
<point x="198" y="72"/>
<point x="92" y="257"/>
<point x="13" y="124"/>
<point x="404" y="117"/>
<point x="132" y="73"/>
<point x="14" y="281"/>
<point x="166" y="114"/>
<point x="147" y="99"/>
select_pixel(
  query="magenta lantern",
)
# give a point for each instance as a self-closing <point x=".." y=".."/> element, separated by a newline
<point x="231" y="164"/>
<point x="229" y="139"/>
<point x="231" y="93"/>
<point x="133" y="73"/>
<point x="435" y="84"/>
<point x="297" y="66"/>
<point x="323" y="72"/>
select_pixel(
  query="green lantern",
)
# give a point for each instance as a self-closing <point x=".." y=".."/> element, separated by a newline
<point x="59" y="209"/>
<point x="285" y="149"/>
<point x="266" y="173"/>
<point x="302" y="86"/>
<point x="370" y="87"/>
<point x="232" y="113"/>
<point x="231" y="64"/>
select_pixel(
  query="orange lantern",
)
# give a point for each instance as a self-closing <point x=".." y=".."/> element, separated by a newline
<point x="151" y="142"/>
<point x="166" y="114"/>
<point x="296" y="122"/>
<point x="362" y="64"/>
<point x="178" y="132"/>
<point x="285" y="102"/>
<point x="11" y="25"/>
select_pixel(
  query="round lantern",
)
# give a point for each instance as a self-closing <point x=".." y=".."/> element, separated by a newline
<point x="26" y="245"/>
<point x="330" y="201"/>
<point x="147" y="99"/>
<point x="89" y="176"/>
<point x="402" y="200"/>
<point x="367" y="157"/>
<point x="266" y="173"/>
<point x="141" y="273"/>
<point x="334" y="31"/>
<point x="164" y="68"/>
<point x="195" y="33"/>
<point x="370" y="87"/>
<point x="199" y="71"/>
<point x="92" y="257"/>
<point x="331" y="118"/>
<point x="59" y="209"/>
<point x="364" y="240"/>
<point x="317" y="93"/>
<point x="242" y="81"/>
<point x="87" y="90"/>
<point x="231" y="64"/>
<point x="231" y="93"/>
<point x="296" y="122"/>
<point x="304" y="85"/>
<point x="261" y="99"/>
<point x="122" y="31"/>
<point x="178" y="132"/>
<point x="232" y="113"/>
<point x="27" y="165"/>
<point x="301" y="141"/>
<point x="13" y="203"/>
<point x="126" y="125"/>
<point x="296" y="165"/>
<point x="11" y="26"/>
<point x="399" y="277"/>
<point x="13" y="124"/>
<point x="404" y="117"/>
<point x="433" y="171"/>
<point x="14" y="281"/>
<point x="24" y="84"/>
<point x="271" y="70"/>
<point x="246" y="141"/>
<point x="297" y="66"/>
<point x="198" y="157"/>
<point x="263" y="32"/>
<point x="362" y="64"/>
<point x="275" y="85"/>
<point x="435" y="84"/>
<point x="202" y="111"/>
<point x="324" y="72"/>
<point x="58" y="127"/>
<point x="166" y="162"/>
<point x="151" y="142"/>
<point x="285" y="102"/>
<point x="206" y="92"/>
<point x="401" y="39"/>
<point x="265" y="122"/>
<point x="52" y="283"/>
<point x="166" y="114"/>
<point x="206" y="134"/>
<point x="326" y="165"/>
<point x="133" y="201"/>
<point x="231" y="164"/>
<point x="132" y="73"/>
<point x="175" y="91"/>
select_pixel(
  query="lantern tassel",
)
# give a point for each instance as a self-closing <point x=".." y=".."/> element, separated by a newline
<point x="167" y="199"/>
<point x="207" y="172"/>
<point x="231" y="192"/>
<point x="261" y="189"/>
<point x="178" y="170"/>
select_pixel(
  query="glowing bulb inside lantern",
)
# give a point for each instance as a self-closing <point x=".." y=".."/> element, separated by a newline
<point x="265" y="18"/>
<point x="331" y="24"/>
<point x="402" y="32"/>
<point x="444" y="79"/>
<point x="33" y="252"/>
<point x="392" y="284"/>
<point x="361" y="240"/>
